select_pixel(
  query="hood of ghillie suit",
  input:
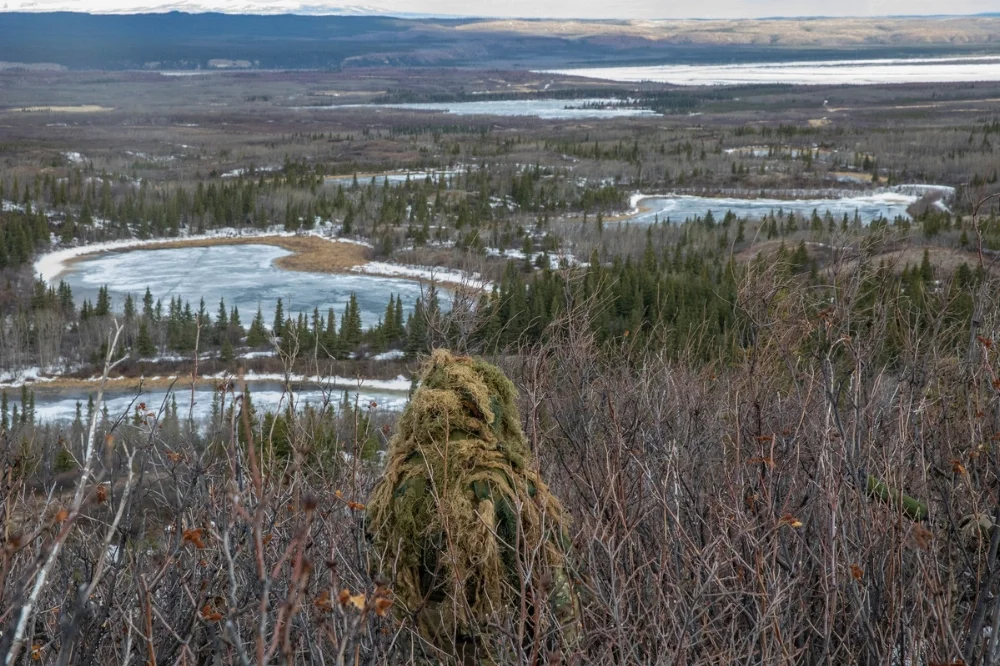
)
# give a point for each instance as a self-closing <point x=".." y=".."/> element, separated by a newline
<point x="460" y="509"/>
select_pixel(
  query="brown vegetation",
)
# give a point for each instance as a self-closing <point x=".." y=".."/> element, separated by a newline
<point x="722" y="512"/>
<point x="836" y="32"/>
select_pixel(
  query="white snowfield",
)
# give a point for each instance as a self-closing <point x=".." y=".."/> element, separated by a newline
<point x="15" y="378"/>
<point x="428" y="273"/>
<point x="827" y="72"/>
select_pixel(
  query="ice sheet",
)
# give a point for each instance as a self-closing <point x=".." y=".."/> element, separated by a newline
<point x="244" y="275"/>
<point x="678" y="208"/>
<point x="60" y="406"/>
<point x="829" y="72"/>
<point x="550" y="109"/>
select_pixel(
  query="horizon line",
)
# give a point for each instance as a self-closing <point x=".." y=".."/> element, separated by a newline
<point x="347" y="13"/>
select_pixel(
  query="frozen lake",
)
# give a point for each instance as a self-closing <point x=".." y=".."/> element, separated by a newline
<point x="244" y="275"/>
<point x="548" y="109"/>
<point x="828" y="72"/>
<point x="52" y="406"/>
<point x="678" y="208"/>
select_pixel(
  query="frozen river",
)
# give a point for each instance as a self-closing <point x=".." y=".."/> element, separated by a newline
<point x="59" y="406"/>
<point x="244" y="275"/>
<point x="678" y="208"/>
<point x="826" y="72"/>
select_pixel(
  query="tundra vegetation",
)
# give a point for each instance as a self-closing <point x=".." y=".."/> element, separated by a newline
<point x="774" y="440"/>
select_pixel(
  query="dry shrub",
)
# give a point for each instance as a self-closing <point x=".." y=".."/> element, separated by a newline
<point x="721" y="512"/>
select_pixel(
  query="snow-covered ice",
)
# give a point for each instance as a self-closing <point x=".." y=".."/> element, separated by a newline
<point x="549" y="109"/>
<point x="827" y="72"/>
<point x="244" y="275"/>
<point x="51" y="265"/>
<point x="60" y="406"/>
<point x="680" y="207"/>
<point x="446" y="275"/>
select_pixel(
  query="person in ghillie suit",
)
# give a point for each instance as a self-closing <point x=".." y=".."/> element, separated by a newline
<point x="461" y="522"/>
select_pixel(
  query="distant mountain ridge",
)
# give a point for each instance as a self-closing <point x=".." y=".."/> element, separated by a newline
<point x="193" y="40"/>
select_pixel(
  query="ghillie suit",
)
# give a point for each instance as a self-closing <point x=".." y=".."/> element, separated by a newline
<point x="462" y="523"/>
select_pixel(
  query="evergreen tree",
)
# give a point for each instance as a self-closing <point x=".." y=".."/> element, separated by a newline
<point x="257" y="335"/>
<point x="235" y="324"/>
<point x="144" y="345"/>
<point x="398" y="319"/>
<point x="226" y="355"/>
<point x="279" y="319"/>
<point x="417" y="340"/>
<point x="147" y="306"/>
<point x="65" y="298"/>
<point x="350" y="323"/>
<point x="222" y="323"/>
<point x="331" y="341"/>
<point x="389" y="319"/>
<point x="103" y="307"/>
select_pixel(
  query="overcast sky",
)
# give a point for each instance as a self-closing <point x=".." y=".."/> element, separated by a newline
<point x="622" y="9"/>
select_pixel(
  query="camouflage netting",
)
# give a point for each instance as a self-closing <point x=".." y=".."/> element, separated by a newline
<point x="461" y="512"/>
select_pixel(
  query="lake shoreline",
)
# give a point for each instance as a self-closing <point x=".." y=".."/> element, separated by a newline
<point x="310" y="254"/>
<point x="179" y="382"/>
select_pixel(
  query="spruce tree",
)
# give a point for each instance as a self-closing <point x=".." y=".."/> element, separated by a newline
<point x="416" y="335"/>
<point x="389" y="319"/>
<point x="144" y="342"/>
<point x="234" y="321"/>
<point x="350" y="324"/>
<point x="226" y="354"/>
<point x="331" y="341"/>
<point x="279" y="319"/>
<point x="222" y="323"/>
<point x="257" y="335"/>
<point x="398" y="319"/>
<point x="103" y="307"/>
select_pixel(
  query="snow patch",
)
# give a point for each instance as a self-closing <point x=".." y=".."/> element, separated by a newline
<point x="235" y="173"/>
<point x="431" y="274"/>
<point x="391" y="355"/>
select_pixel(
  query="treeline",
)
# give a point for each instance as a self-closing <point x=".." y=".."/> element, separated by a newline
<point x="101" y="205"/>
<point x="680" y="299"/>
<point x="51" y="330"/>
<point x="22" y="233"/>
<point x="338" y="425"/>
